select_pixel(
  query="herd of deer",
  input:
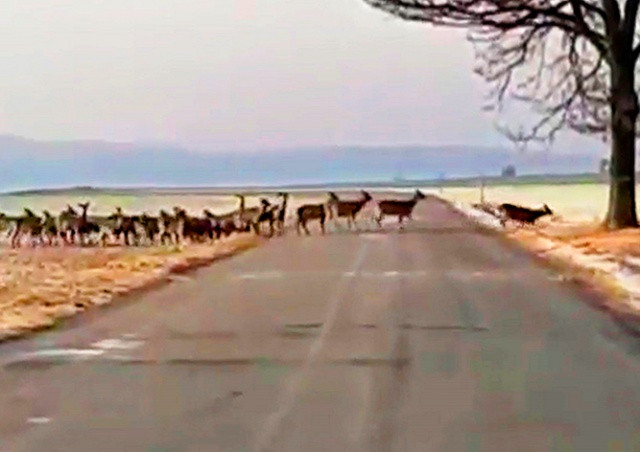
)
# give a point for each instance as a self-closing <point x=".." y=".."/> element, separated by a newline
<point x="77" y="227"/>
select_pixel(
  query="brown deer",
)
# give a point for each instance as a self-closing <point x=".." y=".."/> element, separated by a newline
<point x="50" y="227"/>
<point x="169" y="233"/>
<point x="67" y="221"/>
<point x="224" y="224"/>
<point x="282" y="213"/>
<point x="247" y="216"/>
<point x="196" y="229"/>
<point x="522" y="215"/>
<point x="84" y="227"/>
<point x="398" y="208"/>
<point x="29" y="224"/>
<point x="310" y="212"/>
<point x="267" y="215"/>
<point x="125" y="226"/>
<point x="151" y="227"/>
<point x="348" y="209"/>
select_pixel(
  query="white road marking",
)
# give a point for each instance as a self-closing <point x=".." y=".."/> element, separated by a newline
<point x="97" y="349"/>
<point x="38" y="420"/>
<point x="260" y="275"/>
<point x="287" y="398"/>
<point x="116" y="344"/>
<point x="72" y="353"/>
<point x="271" y="275"/>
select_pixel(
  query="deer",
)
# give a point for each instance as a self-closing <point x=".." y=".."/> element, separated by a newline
<point x="5" y="221"/>
<point x="30" y="224"/>
<point x="67" y="221"/>
<point x="124" y="226"/>
<point x="196" y="229"/>
<point x="50" y="228"/>
<point x="281" y="212"/>
<point x="84" y="227"/>
<point x="223" y="224"/>
<point x="310" y="212"/>
<point x="172" y="227"/>
<point x="247" y="216"/>
<point x="151" y="227"/>
<point x="398" y="208"/>
<point x="522" y="215"/>
<point x="267" y="215"/>
<point x="348" y="209"/>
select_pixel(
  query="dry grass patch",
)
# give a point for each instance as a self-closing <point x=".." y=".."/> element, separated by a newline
<point x="39" y="286"/>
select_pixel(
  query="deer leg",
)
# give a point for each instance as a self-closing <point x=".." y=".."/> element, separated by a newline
<point x="14" y="238"/>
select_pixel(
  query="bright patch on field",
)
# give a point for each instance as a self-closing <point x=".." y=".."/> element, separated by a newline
<point x="572" y="202"/>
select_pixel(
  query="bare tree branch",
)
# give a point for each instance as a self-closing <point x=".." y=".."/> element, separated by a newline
<point x="552" y="54"/>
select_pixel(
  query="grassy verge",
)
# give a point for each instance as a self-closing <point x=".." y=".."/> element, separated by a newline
<point x="40" y="286"/>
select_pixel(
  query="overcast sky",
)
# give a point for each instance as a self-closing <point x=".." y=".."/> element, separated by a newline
<point x="235" y="74"/>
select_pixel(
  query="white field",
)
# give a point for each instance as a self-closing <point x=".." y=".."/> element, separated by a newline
<point x="574" y="203"/>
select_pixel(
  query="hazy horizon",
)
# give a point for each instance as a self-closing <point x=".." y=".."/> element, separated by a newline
<point x="238" y="75"/>
<point x="29" y="164"/>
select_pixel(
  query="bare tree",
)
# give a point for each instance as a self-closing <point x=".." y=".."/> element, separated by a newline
<point x="573" y="60"/>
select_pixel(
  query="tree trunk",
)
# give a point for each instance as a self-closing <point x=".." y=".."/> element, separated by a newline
<point x="624" y="112"/>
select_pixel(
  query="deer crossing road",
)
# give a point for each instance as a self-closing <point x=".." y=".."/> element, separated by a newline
<point x="439" y="338"/>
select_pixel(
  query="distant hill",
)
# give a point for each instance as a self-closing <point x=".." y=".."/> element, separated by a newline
<point x="29" y="164"/>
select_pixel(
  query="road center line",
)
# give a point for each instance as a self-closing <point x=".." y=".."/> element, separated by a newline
<point x="287" y="398"/>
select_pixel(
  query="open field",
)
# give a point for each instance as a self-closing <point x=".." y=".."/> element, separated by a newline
<point x="571" y="202"/>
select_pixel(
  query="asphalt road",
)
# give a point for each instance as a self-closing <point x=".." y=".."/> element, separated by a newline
<point x="440" y="338"/>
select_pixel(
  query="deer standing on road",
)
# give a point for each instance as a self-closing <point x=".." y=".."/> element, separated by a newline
<point x="310" y="212"/>
<point x="267" y="215"/>
<point x="398" y="208"/>
<point x="348" y="209"/>
<point x="281" y="213"/>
